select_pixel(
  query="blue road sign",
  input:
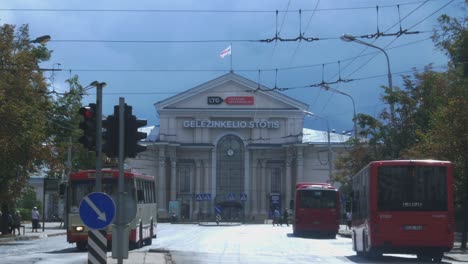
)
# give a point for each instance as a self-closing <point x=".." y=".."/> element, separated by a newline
<point x="243" y="197"/>
<point x="231" y="196"/>
<point x="199" y="197"/>
<point x="97" y="210"/>
<point x="218" y="210"/>
<point x="207" y="196"/>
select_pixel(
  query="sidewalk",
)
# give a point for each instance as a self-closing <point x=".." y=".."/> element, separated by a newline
<point x="54" y="229"/>
<point x="455" y="254"/>
<point x="50" y="229"/>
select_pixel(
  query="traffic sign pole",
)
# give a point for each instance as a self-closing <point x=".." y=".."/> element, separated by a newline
<point x="120" y="251"/>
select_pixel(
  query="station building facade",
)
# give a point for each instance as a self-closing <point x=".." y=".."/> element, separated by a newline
<point x="234" y="145"/>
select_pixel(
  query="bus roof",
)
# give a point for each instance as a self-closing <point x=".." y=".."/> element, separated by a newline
<point x="106" y="174"/>
<point x="408" y="162"/>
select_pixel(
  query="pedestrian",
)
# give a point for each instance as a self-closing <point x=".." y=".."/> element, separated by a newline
<point x="35" y="219"/>
<point x="16" y="222"/>
<point x="10" y="223"/>
<point x="285" y="217"/>
<point x="276" y="217"/>
<point x="349" y="219"/>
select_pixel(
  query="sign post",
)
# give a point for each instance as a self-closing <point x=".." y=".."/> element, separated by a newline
<point x="97" y="210"/>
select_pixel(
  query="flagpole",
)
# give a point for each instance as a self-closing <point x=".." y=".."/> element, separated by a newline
<point x="231" y="57"/>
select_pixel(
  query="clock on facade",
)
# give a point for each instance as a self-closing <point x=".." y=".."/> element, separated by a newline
<point x="230" y="152"/>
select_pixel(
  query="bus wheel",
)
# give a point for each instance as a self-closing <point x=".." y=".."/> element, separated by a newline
<point x="424" y="257"/>
<point x="81" y="245"/>
<point x="437" y="257"/>
<point x="149" y="240"/>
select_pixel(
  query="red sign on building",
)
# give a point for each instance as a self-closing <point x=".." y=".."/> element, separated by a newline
<point x="239" y="100"/>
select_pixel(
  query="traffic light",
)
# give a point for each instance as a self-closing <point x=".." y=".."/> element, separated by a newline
<point x="132" y="136"/>
<point x="111" y="136"/>
<point x="88" y="125"/>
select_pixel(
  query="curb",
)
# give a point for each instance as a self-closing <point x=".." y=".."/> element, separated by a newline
<point x="26" y="238"/>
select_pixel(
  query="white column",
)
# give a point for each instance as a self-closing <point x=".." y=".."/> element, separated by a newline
<point x="206" y="169"/>
<point x="197" y="184"/>
<point x="162" y="204"/>
<point x="288" y="182"/>
<point x="254" y="192"/>
<point x="246" y="180"/>
<point x="173" y="178"/>
<point x="263" y="188"/>
<point x="300" y="164"/>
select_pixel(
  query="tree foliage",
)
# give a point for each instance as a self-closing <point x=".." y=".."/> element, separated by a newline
<point x="24" y="110"/>
<point x="38" y="126"/>
<point x="431" y="119"/>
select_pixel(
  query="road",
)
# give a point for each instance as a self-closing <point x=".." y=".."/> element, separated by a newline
<point x="191" y="243"/>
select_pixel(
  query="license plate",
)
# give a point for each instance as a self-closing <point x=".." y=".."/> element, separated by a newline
<point x="316" y="222"/>
<point x="413" y="227"/>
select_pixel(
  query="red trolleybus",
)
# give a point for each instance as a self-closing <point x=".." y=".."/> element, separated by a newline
<point x="403" y="206"/>
<point x="140" y="190"/>
<point x="317" y="209"/>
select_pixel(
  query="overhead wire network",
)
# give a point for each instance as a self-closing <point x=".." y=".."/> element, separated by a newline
<point x="376" y="53"/>
<point x="300" y="38"/>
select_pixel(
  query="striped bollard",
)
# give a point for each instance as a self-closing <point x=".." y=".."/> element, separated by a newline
<point x="97" y="246"/>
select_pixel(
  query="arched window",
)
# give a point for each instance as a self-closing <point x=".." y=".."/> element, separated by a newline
<point x="229" y="167"/>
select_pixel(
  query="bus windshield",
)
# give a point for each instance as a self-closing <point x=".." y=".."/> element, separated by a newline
<point x="317" y="199"/>
<point x="412" y="188"/>
<point x="79" y="189"/>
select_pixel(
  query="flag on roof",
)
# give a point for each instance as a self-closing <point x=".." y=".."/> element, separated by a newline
<point x="225" y="52"/>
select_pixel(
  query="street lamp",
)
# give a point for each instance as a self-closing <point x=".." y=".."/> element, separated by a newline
<point x="328" y="88"/>
<point x="328" y="136"/>
<point x="351" y="38"/>
<point x="41" y="39"/>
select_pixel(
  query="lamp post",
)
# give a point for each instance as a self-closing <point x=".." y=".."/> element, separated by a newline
<point x="351" y="38"/>
<point x="328" y="139"/>
<point x="328" y="88"/>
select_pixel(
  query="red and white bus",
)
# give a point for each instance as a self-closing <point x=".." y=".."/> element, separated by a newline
<point x="403" y="206"/>
<point x="141" y="190"/>
<point x="316" y="209"/>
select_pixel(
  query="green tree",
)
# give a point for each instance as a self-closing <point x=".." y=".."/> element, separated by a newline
<point x="24" y="110"/>
<point x="430" y="118"/>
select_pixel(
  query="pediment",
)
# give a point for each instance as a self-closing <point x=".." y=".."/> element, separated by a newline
<point x="232" y="92"/>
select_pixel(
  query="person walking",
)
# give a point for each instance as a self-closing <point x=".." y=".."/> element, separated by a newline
<point x="285" y="217"/>
<point x="349" y="219"/>
<point x="276" y="217"/>
<point x="35" y="219"/>
<point x="16" y="222"/>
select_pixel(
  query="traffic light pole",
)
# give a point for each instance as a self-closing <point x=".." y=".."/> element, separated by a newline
<point x="99" y="136"/>
<point x="121" y="250"/>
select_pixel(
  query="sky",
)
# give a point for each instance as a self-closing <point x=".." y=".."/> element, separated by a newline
<point x="147" y="51"/>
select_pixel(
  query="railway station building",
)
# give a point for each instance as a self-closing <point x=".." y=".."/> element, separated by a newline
<point x="234" y="146"/>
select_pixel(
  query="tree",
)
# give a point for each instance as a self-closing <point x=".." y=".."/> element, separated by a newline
<point x="24" y="110"/>
<point x="430" y="122"/>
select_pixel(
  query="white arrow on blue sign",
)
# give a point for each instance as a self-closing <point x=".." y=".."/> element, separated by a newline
<point x="97" y="210"/>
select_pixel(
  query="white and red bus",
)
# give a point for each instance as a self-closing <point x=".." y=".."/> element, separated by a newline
<point x="140" y="189"/>
<point x="403" y="206"/>
<point x="316" y="209"/>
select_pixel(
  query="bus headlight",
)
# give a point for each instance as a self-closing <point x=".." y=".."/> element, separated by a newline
<point x="79" y="228"/>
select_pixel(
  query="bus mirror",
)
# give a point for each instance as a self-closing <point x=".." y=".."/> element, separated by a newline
<point x="140" y="195"/>
<point x="291" y="204"/>
<point x="62" y="189"/>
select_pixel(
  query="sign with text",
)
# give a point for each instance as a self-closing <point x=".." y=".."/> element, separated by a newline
<point x="239" y="100"/>
<point x="215" y="100"/>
